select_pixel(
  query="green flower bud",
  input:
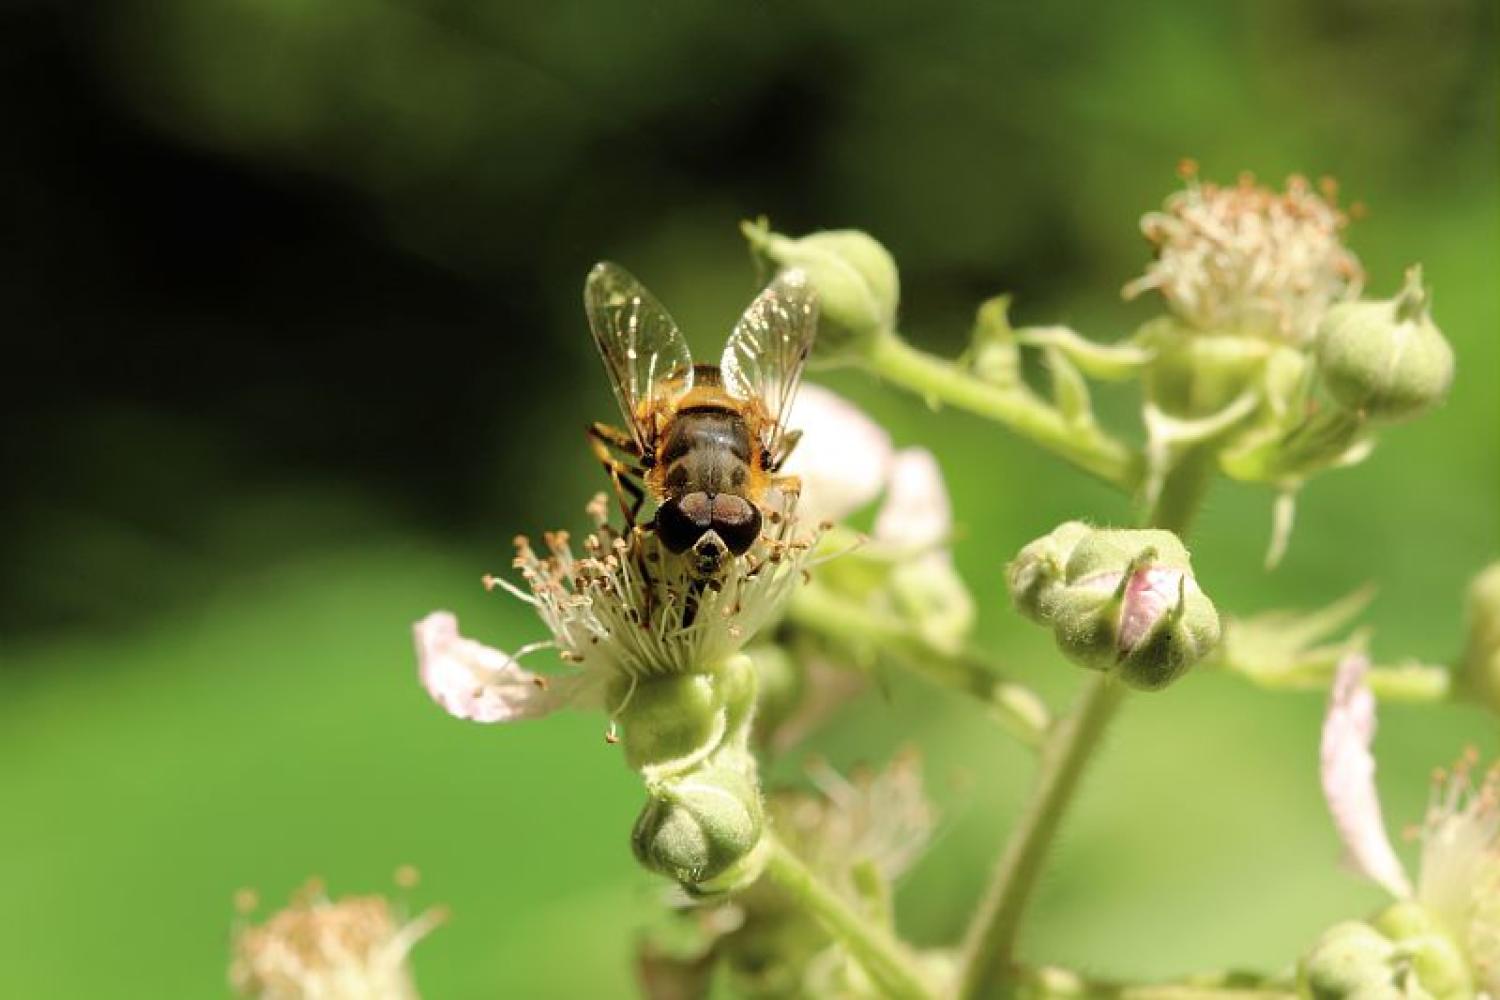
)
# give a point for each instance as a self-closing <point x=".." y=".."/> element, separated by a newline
<point x="1386" y="359"/>
<point x="1350" y="961"/>
<point x="856" y="278"/>
<point x="1433" y="957"/>
<point x="994" y="354"/>
<point x="1037" y="570"/>
<point x="1125" y="601"/>
<point x="1481" y="663"/>
<point x="705" y="829"/>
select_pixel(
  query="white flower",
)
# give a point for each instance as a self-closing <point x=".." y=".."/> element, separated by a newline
<point x="843" y="457"/>
<point x="917" y="514"/>
<point x="1458" y="882"/>
<point x="1250" y="260"/>
<point x="624" y="607"/>
<point x="317" y="949"/>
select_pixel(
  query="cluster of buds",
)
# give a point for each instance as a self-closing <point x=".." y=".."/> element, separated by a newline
<point x="860" y="833"/>
<point x="659" y="648"/>
<point x="321" y="949"/>
<point x="1124" y="601"/>
<point x="1441" y="936"/>
<point x="1267" y="356"/>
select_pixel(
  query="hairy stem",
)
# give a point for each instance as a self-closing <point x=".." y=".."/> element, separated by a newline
<point x="989" y="945"/>
<point x="1015" y="406"/>
<point x="1014" y="706"/>
<point x="992" y="932"/>
<point x="885" y="959"/>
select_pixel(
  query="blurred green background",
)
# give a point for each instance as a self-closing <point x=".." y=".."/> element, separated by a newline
<point x="295" y="346"/>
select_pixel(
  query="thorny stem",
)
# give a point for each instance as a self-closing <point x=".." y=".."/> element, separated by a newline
<point x="818" y="609"/>
<point x="884" y="958"/>
<point x="1015" y="406"/>
<point x="990" y="941"/>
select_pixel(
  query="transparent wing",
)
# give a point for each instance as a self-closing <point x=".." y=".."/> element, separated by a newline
<point x="768" y="349"/>
<point x="643" y="351"/>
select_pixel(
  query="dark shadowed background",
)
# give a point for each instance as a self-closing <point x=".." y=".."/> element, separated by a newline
<point x="294" y="346"/>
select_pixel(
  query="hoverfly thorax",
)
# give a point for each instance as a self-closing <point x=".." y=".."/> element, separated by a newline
<point x="705" y="442"/>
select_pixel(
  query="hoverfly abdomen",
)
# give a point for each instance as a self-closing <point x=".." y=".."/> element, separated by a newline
<point x="707" y="449"/>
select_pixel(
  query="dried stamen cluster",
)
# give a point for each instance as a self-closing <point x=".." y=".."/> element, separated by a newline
<point x="1245" y="259"/>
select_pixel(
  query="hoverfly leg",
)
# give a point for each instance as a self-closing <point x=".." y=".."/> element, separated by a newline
<point x="628" y="491"/>
<point x="784" y="450"/>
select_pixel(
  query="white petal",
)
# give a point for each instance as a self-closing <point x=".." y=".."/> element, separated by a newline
<point x="842" y="458"/>
<point x="472" y="681"/>
<point x="917" y="513"/>
<point x="1348" y="772"/>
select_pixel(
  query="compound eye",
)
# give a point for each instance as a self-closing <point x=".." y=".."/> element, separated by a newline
<point x="681" y="521"/>
<point x="737" y="521"/>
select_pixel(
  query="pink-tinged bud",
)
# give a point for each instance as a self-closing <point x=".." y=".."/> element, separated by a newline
<point x="1123" y="601"/>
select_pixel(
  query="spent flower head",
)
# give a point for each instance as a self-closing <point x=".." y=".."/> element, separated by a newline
<point x="1457" y="889"/>
<point x="354" y="948"/>
<point x="1246" y="259"/>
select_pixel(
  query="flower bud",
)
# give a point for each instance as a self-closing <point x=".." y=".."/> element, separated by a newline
<point x="1352" y="960"/>
<point x="856" y="279"/>
<point x="994" y="354"/>
<point x="1125" y="601"/>
<point x="1386" y="359"/>
<point x="1037" y="570"/>
<point x="1481" y="662"/>
<point x="704" y="829"/>
<point x="1435" y="958"/>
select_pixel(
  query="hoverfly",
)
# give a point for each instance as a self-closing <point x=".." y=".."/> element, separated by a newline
<point x="705" y="442"/>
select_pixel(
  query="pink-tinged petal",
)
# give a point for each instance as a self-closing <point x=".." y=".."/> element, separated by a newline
<point x="1152" y="592"/>
<point x="472" y="681"/>
<point x="917" y="513"/>
<point x="841" y="459"/>
<point x="1348" y="772"/>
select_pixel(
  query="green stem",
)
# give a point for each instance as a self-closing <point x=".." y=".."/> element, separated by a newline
<point x="992" y="933"/>
<point x="1065" y="984"/>
<point x="1409" y="683"/>
<point x="1017" y="708"/>
<point x="885" y="959"/>
<point x="990" y="941"/>
<point x="1182" y="493"/>
<point x="1015" y="406"/>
